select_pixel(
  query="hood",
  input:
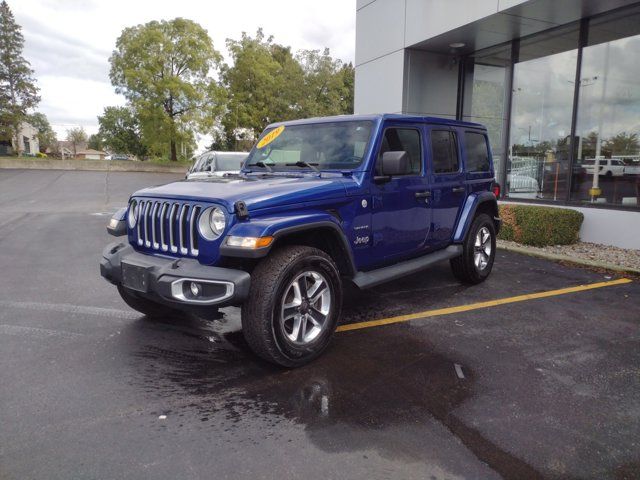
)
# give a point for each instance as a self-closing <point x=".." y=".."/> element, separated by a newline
<point x="256" y="192"/>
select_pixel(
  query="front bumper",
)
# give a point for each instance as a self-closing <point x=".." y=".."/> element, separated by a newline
<point x="167" y="280"/>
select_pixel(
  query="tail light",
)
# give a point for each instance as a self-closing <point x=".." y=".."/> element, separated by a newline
<point x="496" y="189"/>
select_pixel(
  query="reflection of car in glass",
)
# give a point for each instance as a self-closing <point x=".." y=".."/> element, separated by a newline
<point x="609" y="167"/>
<point x="365" y="199"/>
<point x="216" y="164"/>
<point x="631" y="164"/>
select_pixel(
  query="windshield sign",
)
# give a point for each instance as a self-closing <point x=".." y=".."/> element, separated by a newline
<point x="321" y="146"/>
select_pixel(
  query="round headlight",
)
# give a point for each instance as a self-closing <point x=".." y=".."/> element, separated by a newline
<point x="211" y="223"/>
<point x="132" y="214"/>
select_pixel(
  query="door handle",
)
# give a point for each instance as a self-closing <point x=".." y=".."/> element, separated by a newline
<point x="458" y="189"/>
<point x="425" y="194"/>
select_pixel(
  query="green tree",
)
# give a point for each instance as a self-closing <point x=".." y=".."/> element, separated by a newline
<point x="78" y="138"/>
<point x="254" y="83"/>
<point x="95" y="142"/>
<point x="165" y="70"/>
<point x="623" y="144"/>
<point x="120" y="131"/>
<point x="348" y="74"/>
<point x="328" y="84"/>
<point x="18" y="91"/>
<point x="267" y="83"/>
<point x="46" y="135"/>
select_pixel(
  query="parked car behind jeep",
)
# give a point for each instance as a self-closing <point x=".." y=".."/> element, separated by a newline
<point x="364" y="199"/>
<point x="217" y="164"/>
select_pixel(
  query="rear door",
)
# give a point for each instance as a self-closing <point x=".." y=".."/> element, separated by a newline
<point x="448" y="189"/>
<point x="401" y="215"/>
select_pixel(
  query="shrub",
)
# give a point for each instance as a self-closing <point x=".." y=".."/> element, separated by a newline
<point x="41" y="155"/>
<point x="540" y="226"/>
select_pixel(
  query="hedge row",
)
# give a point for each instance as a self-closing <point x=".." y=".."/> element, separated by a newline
<point x="540" y="226"/>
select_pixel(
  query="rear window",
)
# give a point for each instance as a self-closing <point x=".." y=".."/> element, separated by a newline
<point x="477" y="153"/>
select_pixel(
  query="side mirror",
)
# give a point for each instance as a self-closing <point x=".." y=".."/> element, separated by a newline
<point x="394" y="163"/>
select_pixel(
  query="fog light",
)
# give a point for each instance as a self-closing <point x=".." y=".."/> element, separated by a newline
<point x="195" y="289"/>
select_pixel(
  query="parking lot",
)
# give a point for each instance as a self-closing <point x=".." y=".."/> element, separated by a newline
<point x="545" y="386"/>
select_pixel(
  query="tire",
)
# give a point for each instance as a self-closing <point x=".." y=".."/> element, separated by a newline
<point x="476" y="261"/>
<point x="269" y="325"/>
<point x="142" y="305"/>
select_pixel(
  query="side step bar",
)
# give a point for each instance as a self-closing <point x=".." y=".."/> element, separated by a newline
<point x="385" y="274"/>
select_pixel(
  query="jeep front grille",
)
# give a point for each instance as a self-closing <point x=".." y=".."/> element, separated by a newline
<point x="168" y="227"/>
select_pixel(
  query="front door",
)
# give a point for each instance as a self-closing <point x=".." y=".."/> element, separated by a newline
<point x="448" y="189"/>
<point x="401" y="217"/>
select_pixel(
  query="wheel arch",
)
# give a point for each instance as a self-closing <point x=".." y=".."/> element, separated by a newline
<point x="322" y="232"/>
<point x="325" y="236"/>
<point x="476" y="203"/>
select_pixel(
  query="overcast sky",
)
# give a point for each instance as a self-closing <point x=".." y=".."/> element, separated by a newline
<point x="68" y="42"/>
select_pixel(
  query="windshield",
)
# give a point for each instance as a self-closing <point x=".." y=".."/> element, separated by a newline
<point x="203" y="163"/>
<point x="227" y="162"/>
<point x="219" y="162"/>
<point x="325" y="146"/>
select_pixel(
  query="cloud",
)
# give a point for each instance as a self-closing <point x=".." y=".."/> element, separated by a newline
<point x="69" y="43"/>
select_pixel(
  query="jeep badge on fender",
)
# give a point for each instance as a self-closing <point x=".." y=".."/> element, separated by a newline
<point x="364" y="198"/>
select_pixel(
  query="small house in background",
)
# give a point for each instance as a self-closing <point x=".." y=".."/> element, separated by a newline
<point x="27" y="142"/>
<point x="64" y="149"/>
<point x="90" y="154"/>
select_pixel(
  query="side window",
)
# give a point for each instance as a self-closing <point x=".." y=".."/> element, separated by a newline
<point x="444" y="153"/>
<point x="402" y="139"/>
<point x="477" y="154"/>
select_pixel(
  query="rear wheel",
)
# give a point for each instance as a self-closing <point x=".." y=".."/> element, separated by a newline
<point x="478" y="252"/>
<point x="293" y="306"/>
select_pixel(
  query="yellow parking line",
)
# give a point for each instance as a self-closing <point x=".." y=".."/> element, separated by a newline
<point x="479" y="305"/>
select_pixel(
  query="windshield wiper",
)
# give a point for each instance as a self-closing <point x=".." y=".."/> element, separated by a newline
<point x="261" y="164"/>
<point x="302" y="164"/>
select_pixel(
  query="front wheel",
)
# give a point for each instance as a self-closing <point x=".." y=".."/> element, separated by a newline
<point x="293" y="305"/>
<point x="478" y="252"/>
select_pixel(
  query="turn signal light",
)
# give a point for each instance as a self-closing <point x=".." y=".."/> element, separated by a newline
<point x="249" y="242"/>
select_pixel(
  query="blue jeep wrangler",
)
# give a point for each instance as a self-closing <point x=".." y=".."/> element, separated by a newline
<point x="319" y="202"/>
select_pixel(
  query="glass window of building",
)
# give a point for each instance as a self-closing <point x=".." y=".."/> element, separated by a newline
<point x="541" y="111"/>
<point x="607" y="168"/>
<point x="486" y="74"/>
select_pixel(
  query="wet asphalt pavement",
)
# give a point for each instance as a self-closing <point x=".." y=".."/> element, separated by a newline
<point x="90" y="389"/>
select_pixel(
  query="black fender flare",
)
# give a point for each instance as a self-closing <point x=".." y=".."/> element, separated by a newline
<point x="469" y="209"/>
<point x="227" y="251"/>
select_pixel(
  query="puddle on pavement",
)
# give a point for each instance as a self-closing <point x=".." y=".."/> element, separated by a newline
<point x="367" y="383"/>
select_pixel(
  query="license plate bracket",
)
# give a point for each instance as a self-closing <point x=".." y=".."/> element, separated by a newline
<point x="135" y="277"/>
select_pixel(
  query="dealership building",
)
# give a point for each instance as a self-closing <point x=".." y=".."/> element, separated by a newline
<point x="556" y="82"/>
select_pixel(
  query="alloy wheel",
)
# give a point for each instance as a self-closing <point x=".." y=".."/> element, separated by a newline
<point x="482" y="248"/>
<point x="305" y="307"/>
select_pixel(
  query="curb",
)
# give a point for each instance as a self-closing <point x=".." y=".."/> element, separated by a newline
<point x="89" y="165"/>
<point x="566" y="258"/>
